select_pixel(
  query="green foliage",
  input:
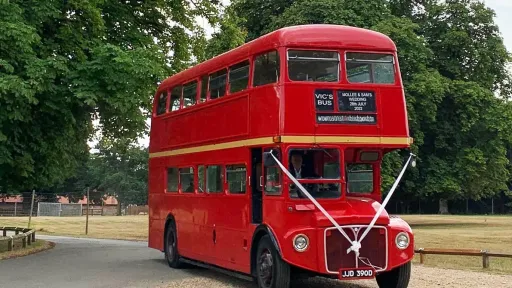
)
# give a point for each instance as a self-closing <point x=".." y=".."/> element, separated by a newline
<point x="453" y="64"/>
<point x="229" y="36"/>
<point x="64" y="64"/>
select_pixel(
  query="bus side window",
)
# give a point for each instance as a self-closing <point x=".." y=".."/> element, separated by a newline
<point x="204" y="89"/>
<point x="239" y="76"/>
<point x="172" y="180"/>
<point x="162" y="103"/>
<point x="236" y="176"/>
<point x="201" y="178"/>
<point x="266" y="69"/>
<point x="218" y="84"/>
<point x="359" y="178"/>
<point x="187" y="179"/>
<point x="175" y="98"/>
<point x="189" y="94"/>
<point x="214" y="183"/>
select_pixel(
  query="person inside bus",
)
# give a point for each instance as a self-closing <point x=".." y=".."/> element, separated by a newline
<point x="297" y="167"/>
<point x="301" y="171"/>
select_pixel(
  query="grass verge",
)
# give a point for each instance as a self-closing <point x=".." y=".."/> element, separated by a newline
<point x="107" y="227"/>
<point x="37" y="246"/>
<point x="491" y="233"/>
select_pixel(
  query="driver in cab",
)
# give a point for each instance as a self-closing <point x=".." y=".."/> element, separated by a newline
<point x="300" y="171"/>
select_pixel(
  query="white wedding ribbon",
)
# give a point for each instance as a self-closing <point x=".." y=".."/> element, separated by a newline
<point x="356" y="244"/>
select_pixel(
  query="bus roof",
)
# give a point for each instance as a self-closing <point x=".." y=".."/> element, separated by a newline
<point x="313" y="35"/>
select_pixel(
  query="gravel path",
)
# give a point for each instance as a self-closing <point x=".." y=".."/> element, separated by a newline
<point x="423" y="277"/>
<point x="78" y="263"/>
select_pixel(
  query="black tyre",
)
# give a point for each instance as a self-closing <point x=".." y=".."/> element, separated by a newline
<point x="171" y="246"/>
<point x="271" y="270"/>
<point x="396" y="278"/>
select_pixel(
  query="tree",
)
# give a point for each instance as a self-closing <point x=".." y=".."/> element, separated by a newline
<point x="64" y="64"/>
<point x="453" y="64"/>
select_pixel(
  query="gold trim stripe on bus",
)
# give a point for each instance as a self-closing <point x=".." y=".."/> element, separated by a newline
<point x="286" y="139"/>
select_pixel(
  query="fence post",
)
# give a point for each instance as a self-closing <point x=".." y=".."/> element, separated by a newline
<point x="485" y="259"/>
<point x="5" y="232"/>
<point x="34" y="236"/>
<point x="31" y="207"/>
<point x="24" y="240"/>
<point x="29" y="240"/>
<point x="10" y="244"/>
<point x="422" y="259"/>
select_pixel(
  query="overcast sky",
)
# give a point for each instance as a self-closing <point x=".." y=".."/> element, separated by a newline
<point x="502" y="8"/>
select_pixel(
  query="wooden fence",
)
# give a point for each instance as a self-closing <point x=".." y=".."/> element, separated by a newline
<point x="461" y="252"/>
<point x="27" y="236"/>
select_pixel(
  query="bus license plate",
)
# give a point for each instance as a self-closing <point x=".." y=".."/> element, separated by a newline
<point x="357" y="273"/>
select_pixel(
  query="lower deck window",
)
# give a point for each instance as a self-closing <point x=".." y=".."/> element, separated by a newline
<point x="359" y="178"/>
<point x="187" y="179"/>
<point x="214" y="179"/>
<point x="236" y="177"/>
<point x="172" y="179"/>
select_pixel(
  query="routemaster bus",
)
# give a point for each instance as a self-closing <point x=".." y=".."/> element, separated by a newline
<point x="265" y="161"/>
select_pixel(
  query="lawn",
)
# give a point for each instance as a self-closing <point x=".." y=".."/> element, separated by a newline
<point x="112" y="227"/>
<point x="492" y="233"/>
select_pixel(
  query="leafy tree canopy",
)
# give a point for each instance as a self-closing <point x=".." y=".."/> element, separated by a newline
<point x="64" y="64"/>
<point x="453" y="64"/>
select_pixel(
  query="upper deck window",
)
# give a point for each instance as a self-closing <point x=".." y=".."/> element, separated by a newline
<point x="218" y="84"/>
<point x="239" y="76"/>
<point x="266" y="68"/>
<point x="189" y="94"/>
<point x="162" y="103"/>
<point x="316" y="66"/>
<point x="204" y="89"/>
<point x="175" y="98"/>
<point x="370" y="68"/>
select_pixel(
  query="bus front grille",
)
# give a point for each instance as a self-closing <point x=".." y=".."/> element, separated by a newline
<point x="374" y="248"/>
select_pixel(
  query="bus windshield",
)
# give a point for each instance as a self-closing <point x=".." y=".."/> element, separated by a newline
<point x="316" y="66"/>
<point x="318" y="170"/>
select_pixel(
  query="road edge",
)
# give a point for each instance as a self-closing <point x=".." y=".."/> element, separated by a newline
<point x="47" y="245"/>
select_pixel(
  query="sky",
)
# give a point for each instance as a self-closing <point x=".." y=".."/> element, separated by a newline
<point x="502" y="8"/>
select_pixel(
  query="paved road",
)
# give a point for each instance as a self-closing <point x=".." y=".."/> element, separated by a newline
<point x="99" y="263"/>
<point x="78" y="262"/>
<point x="89" y="263"/>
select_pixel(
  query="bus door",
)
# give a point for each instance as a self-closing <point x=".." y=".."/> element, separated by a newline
<point x="256" y="188"/>
<point x="271" y="184"/>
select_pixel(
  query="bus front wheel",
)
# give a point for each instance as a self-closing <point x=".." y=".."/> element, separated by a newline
<point x="171" y="246"/>
<point x="396" y="278"/>
<point x="271" y="270"/>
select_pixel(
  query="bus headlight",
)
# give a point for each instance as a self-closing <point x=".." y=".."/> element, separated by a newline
<point x="300" y="242"/>
<point x="402" y="240"/>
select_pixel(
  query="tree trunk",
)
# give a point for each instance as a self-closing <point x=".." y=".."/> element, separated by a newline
<point x="443" y="206"/>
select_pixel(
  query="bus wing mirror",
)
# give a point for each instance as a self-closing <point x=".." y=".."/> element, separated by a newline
<point x="268" y="160"/>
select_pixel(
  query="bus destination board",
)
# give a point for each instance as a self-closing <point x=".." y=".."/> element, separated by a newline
<point x="356" y="101"/>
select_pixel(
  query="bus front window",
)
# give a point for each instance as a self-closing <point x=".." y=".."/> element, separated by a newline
<point x="359" y="178"/>
<point x="316" y="66"/>
<point x="318" y="170"/>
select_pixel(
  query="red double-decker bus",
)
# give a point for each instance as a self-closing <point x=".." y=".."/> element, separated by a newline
<point x="265" y="160"/>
